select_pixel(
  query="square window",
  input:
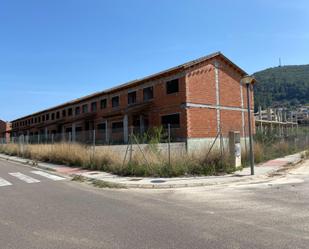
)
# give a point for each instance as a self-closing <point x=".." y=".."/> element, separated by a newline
<point x="77" y="110"/>
<point x="148" y="93"/>
<point x="70" y="112"/>
<point x="173" y="120"/>
<point x="103" y="103"/>
<point x="94" y="106"/>
<point x="172" y="86"/>
<point x="131" y="98"/>
<point x="85" y="108"/>
<point x="115" y="101"/>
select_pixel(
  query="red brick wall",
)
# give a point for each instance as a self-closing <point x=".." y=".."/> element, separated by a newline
<point x="2" y="128"/>
<point x="197" y="85"/>
<point x="201" y="85"/>
<point x="229" y="81"/>
<point x="164" y="104"/>
<point x="201" y="89"/>
<point x="230" y="121"/>
<point x="201" y="122"/>
<point x="5" y="129"/>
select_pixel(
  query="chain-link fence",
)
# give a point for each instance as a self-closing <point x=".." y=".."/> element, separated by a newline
<point x="156" y="152"/>
<point x="116" y="136"/>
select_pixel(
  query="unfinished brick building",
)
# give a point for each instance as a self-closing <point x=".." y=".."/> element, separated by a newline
<point x="198" y="99"/>
<point x="5" y="131"/>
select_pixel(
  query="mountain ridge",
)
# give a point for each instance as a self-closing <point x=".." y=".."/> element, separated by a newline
<point x="282" y="86"/>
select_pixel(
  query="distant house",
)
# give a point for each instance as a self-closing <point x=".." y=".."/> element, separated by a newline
<point x="302" y="115"/>
<point x="5" y="131"/>
<point x="197" y="99"/>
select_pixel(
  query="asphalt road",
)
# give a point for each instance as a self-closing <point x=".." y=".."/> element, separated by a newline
<point x="43" y="213"/>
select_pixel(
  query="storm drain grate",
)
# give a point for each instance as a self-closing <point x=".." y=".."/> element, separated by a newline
<point x="158" y="181"/>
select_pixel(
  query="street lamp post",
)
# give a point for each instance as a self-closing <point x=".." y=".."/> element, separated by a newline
<point x="248" y="81"/>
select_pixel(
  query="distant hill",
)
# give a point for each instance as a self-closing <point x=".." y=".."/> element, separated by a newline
<point x="282" y="86"/>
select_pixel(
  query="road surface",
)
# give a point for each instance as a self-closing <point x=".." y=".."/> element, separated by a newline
<point x="39" y="210"/>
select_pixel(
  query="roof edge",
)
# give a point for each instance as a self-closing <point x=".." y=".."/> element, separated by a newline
<point x="137" y="81"/>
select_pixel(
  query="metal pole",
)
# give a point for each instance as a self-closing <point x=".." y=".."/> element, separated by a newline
<point x="169" y="144"/>
<point x="93" y="143"/>
<point x="131" y="144"/>
<point x="250" y="131"/>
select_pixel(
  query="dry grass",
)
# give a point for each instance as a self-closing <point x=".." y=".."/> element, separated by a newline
<point x="264" y="152"/>
<point x="151" y="163"/>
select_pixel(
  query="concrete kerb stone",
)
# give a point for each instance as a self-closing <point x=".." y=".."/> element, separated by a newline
<point x="295" y="159"/>
<point x="199" y="184"/>
<point x="32" y="164"/>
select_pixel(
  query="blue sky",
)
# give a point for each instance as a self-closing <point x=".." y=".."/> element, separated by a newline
<point x="52" y="51"/>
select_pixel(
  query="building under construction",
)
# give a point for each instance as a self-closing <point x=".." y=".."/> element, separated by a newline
<point x="198" y="100"/>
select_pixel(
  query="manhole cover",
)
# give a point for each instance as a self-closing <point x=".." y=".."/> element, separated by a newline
<point x="158" y="181"/>
<point x="135" y="179"/>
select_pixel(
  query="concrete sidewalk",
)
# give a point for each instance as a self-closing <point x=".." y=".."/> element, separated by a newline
<point x="261" y="170"/>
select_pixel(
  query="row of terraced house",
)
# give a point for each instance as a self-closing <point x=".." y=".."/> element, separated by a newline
<point x="198" y="99"/>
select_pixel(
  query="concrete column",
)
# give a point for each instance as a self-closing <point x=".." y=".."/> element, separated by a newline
<point x="285" y="117"/>
<point x="125" y="129"/>
<point x="106" y="132"/>
<point x="73" y="132"/>
<point x="291" y="117"/>
<point x="269" y="114"/>
<point x="260" y="113"/>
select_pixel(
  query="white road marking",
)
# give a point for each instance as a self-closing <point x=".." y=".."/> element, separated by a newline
<point x="49" y="176"/>
<point x="24" y="178"/>
<point x="4" y="182"/>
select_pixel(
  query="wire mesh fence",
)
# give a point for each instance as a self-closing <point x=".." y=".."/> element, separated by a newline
<point x="116" y="136"/>
<point x="152" y="153"/>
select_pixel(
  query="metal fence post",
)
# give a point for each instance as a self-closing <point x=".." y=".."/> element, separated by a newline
<point x="169" y="144"/>
<point x="131" y="143"/>
<point x="93" y="144"/>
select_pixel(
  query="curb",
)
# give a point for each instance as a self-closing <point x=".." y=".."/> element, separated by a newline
<point x="32" y="164"/>
<point x="35" y="164"/>
<point x="188" y="185"/>
<point x="174" y="186"/>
